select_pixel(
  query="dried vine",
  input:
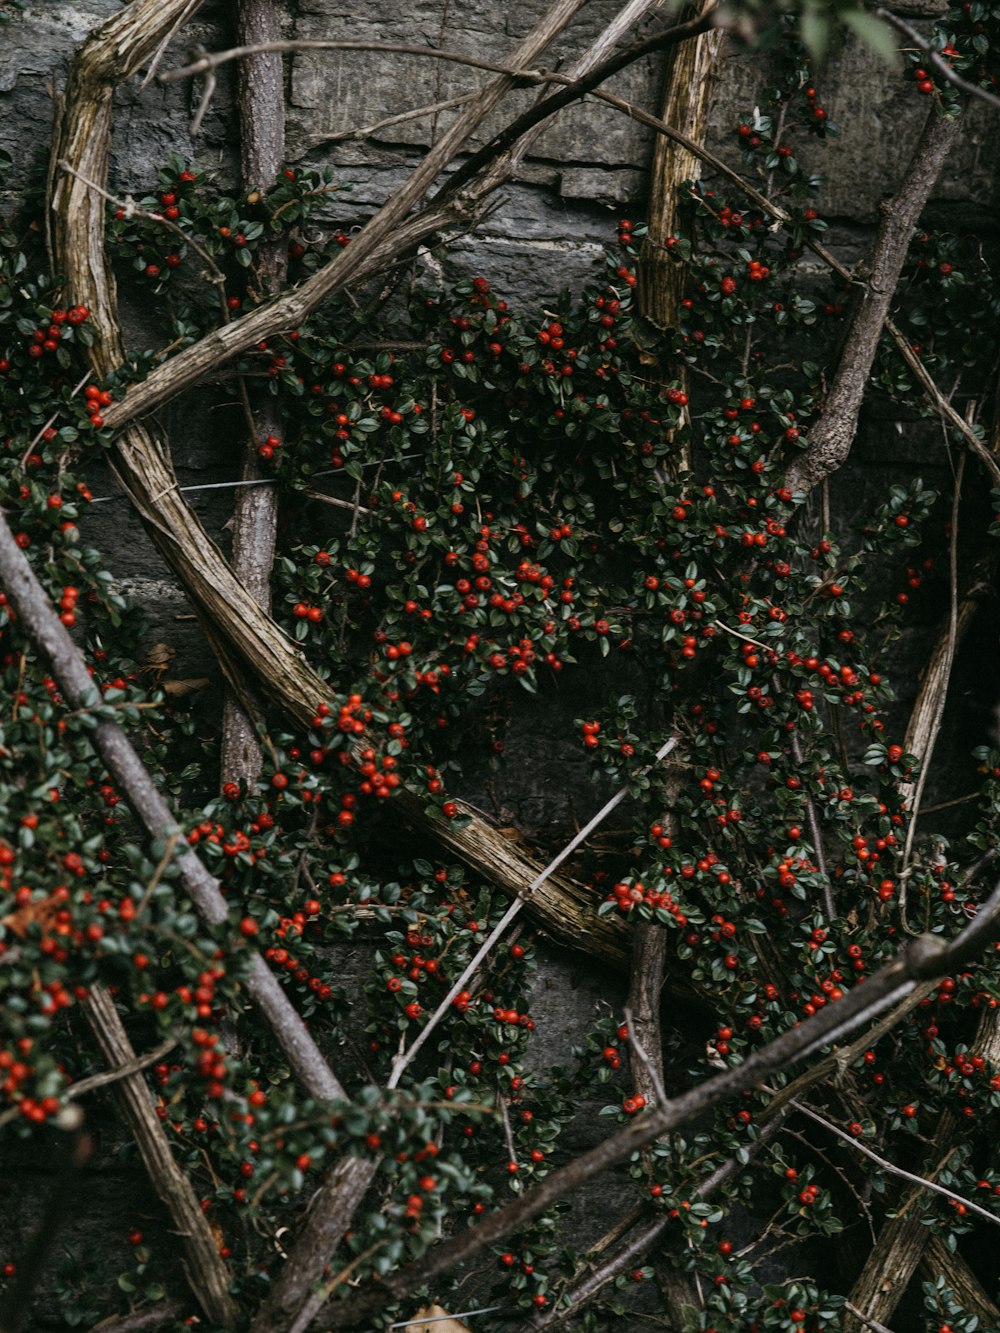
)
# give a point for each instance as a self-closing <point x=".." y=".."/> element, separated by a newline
<point x="248" y="644"/>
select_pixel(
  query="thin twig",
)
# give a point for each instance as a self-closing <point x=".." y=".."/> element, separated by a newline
<point x="841" y="1058"/>
<point x="826" y="888"/>
<point x="125" y="1070"/>
<point x="935" y="59"/>
<point x="630" y="1249"/>
<point x="866" y="1319"/>
<point x="143" y="1321"/>
<point x="391" y="230"/>
<point x="72" y="1154"/>
<point x="903" y="345"/>
<point x="211" y="60"/>
<point x="947" y="805"/>
<point x="168" y="37"/>
<point x="133" y="210"/>
<point x="354" y="507"/>
<point x="841" y="1175"/>
<point x="922" y="960"/>
<point x="415" y="113"/>
<point x="406" y="1059"/>
<point x="52" y="420"/>
<point x="891" y="1168"/>
<point x="52" y="640"/>
<point x="943" y="677"/>
<point x="726" y="629"/>
<point x="439" y="1318"/>
<point x="157" y="875"/>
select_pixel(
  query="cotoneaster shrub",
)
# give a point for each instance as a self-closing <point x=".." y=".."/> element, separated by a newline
<point x="518" y="496"/>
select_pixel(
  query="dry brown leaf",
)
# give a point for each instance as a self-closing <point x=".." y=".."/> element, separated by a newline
<point x="42" y="910"/>
<point x="178" y="688"/>
<point x="442" y="1323"/>
<point x="159" y="656"/>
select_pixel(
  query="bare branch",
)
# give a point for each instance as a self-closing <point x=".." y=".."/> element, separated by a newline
<point x="931" y="391"/>
<point x="829" y="906"/>
<point x="52" y="640"/>
<point x="500" y="928"/>
<point x="842" y="1057"/>
<point x="143" y="1321"/>
<point x="923" y="959"/>
<point x="645" y="1038"/>
<point x="415" y="113"/>
<point x="647" y="1069"/>
<point x="211" y="61"/>
<point x="638" y="1240"/>
<point x="205" y="1270"/>
<point x="125" y="1070"/>
<point x="903" y="1241"/>
<point x="261" y="98"/>
<point x="928" y="712"/>
<point x="938" y="1260"/>
<point x="867" y="1320"/>
<point x="830" y="440"/>
<point x="387" y="235"/>
<point x="189" y="12"/>
<point x="891" y="1168"/>
<point x="132" y="210"/>
<point x="935" y="59"/>
<point x="685" y="103"/>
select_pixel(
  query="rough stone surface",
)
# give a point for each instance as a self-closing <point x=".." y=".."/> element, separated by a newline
<point x="546" y="233"/>
<point x="336" y="91"/>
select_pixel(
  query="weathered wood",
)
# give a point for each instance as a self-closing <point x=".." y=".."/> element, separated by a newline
<point x="261" y="98"/>
<point x="830" y="440"/>
<point x="889" y="1268"/>
<point x="968" y="1290"/>
<point x="687" y="92"/>
<point x="206" y="1271"/>
<point x="247" y="642"/>
<point x="388" y="234"/>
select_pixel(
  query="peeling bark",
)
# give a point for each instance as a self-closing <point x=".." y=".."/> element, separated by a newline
<point x="685" y="106"/>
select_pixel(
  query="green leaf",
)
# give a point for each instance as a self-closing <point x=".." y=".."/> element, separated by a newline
<point x="875" y="34"/>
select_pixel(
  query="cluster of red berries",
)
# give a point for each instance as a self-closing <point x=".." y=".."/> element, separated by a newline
<point x="45" y="339"/>
<point x="627" y="895"/>
<point x="94" y="400"/>
<point x="280" y="957"/>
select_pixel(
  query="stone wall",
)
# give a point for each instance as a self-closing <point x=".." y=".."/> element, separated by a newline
<point x="546" y="234"/>
<point x="551" y="223"/>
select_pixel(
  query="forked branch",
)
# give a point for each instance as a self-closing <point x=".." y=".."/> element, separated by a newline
<point x="924" y="959"/>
